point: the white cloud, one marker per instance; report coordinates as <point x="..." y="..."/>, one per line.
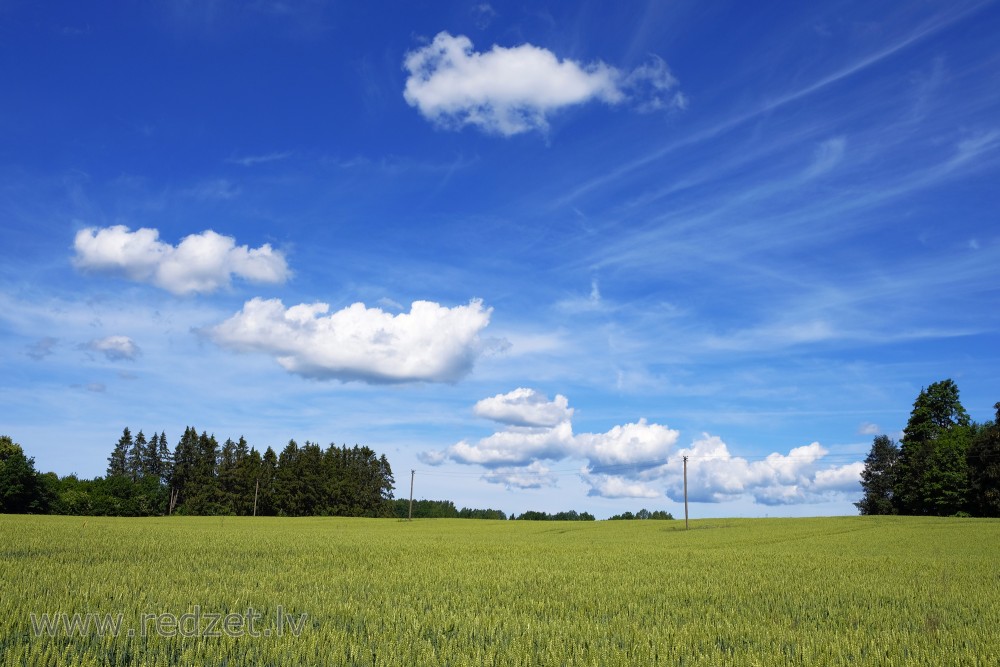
<point x="612" y="486"/>
<point x="714" y="475"/>
<point x="538" y="429"/>
<point x="533" y="476"/>
<point x="845" y="478"/>
<point x="525" y="407"/>
<point x="431" y="343"/>
<point x="434" y="457"/>
<point x="638" y="443"/>
<point x="638" y="460"/>
<point x="509" y="90"/>
<point x="115" y="348"/>
<point x="201" y="262"/>
<point x="868" y="428"/>
<point x="516" y="446"/>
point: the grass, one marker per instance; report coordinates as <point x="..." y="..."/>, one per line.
<point x="830" y="591"/>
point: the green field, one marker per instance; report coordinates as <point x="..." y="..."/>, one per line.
<point x="831" y="591"/>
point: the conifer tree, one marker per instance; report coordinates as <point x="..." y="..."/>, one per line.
<point x="135" y="459"/>
<point x="118" y="461"/>
<point x="878" y="479"/>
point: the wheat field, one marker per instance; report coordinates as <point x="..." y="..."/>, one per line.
<point x="373" y="592"/>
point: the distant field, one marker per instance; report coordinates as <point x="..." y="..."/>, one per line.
<point x="832" y="591"/>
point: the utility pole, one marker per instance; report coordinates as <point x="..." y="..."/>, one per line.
<point x="685" y="493"/>
<point x="255" y="492"/>
<point x="412" y="473"/>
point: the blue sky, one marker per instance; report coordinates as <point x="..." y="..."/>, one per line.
<point x="535" y="252"/>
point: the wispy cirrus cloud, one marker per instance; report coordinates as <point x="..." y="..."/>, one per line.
<point x="263" y="158"/>
<point x="511" y="90"/>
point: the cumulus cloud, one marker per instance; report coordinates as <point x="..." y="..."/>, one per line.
<point x="533" y="476"/>
<point x="715" y="475"/>
<point x="431" y="343"/>
<point x="516" y="445"/>
<point x="536" y="429"/>
<point x="846" y="478"/>
<point x="200" y="263"/>
<point x="638" y="460"/>
<point x="510" y="90"/>
<point x="631" y="444"/>
<point x="115" y="348"/>
<point x="525" y="407"/>
<point x="612" y="486"/>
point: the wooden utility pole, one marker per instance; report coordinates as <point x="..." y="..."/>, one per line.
<point x="412" y="473"/>
<point x="685" y="493"/>
<point x="255" y="492"/>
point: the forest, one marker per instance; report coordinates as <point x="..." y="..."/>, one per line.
<point x="200" y="477"/>
<point x="944" y="465"/>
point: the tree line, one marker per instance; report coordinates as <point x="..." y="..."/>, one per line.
<point x="145" y="477"/>
<point x="441" y="509"/>
<point x="944" y="465"/>
<point x="643" y="515"/>
<point x="571" y="515"/>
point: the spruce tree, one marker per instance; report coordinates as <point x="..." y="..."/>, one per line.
<point x="878" y="479"/>
<point x="136" y="457"/>
<point x="165" y="458"/>
<point x="118" y="461"/>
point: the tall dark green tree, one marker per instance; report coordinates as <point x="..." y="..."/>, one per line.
<point x="249" y="467"/>
<point x="185" y="458"/>
<point x="984" y="469"/>
<point x="227" y="474"/>
<point x="878" y="479"/>
<point x="166" y="459"/>
<point x="151" y="463"/>
<point x="933" y="452"/>
<point x="135" y="461"/>
<point x="299" y="488"/>
<point x="265" y="485"/>
<point x="118" y="461"/>
<point x="203" y="494"/>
